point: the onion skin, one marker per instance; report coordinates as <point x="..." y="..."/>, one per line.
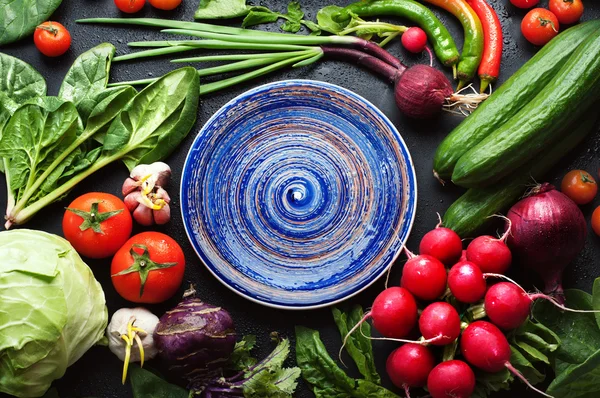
<point x="548" y="231"/>
<point x="195" y="338"/>
<point x="421" y="92"/>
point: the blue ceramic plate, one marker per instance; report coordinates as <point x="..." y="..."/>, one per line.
<point x="298" y="194"/>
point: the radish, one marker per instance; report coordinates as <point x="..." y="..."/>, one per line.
<point x="466" y="282"/>
<point x="424" y="276"/>
<point x="414" y="40"/>
<point x="484" y="346"/>
<point x="443" y="244"/>
<point x="451" y="379"/>
<point x="490" y="254"/>
<point x="508" y="305"/>
<point x="440" y="323"/>
<point x="409" y="365"/>
<point x="394" y="314"/>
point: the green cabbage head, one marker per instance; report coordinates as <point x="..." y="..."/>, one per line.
<point x="52" y="310"/>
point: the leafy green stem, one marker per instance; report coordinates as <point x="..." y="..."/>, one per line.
<point x="153" y="53"/>
<point x="10" y="202"/>
<point x="379" y="27"/>
<point x="239" y="57"/>
<point x="23" y="215"/>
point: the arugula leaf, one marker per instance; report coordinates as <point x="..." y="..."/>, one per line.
<point x="358" y="346"/>
<point x="19" y="81"/>
<point x="156" y="120"/>
<point x="240" y="358"/>
<point x="19" y="18"/>
<point x="326" y="22"/>
<point x="323" y="374"/>
<point x="87" y="77"/>
<point x="146" y="384"/>
<point x="578" y="332"/>
<point x="34" y="137"/>
<point x="221" y="9"/>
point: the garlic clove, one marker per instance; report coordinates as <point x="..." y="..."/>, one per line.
<point x="132" y="200"/>
<point x="163" y="215"/>
<point x="162" y="194"/>
<point x="143" y="215"/>
<point x="129" y="186"/>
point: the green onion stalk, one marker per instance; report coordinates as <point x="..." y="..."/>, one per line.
<point x="421" y="91"/>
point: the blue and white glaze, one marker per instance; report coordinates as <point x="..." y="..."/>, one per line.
<point x="298" y="194"/>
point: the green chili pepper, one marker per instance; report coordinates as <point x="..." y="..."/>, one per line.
<point x="473" y="45"/>
<point x="440" y="38"/>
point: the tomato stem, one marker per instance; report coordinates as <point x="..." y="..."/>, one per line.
<point x="49" y="28"/>
<point x="544" y="22"/>
<point x="94" y="218"/>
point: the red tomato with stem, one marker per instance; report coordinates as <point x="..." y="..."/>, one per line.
<point x="97" y="224"/>
<point x="52" y="39"/>
<point x="524" y="3"/>
<point x="148" y="268"/>
<point x="165" y="4"/>
<point x="539" y="26"/>
<point x="130" y="6"/>
<point x="579" y="186"/>
<point x="567" y="11"/>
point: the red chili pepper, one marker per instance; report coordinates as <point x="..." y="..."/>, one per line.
<point x="489" y="68"/>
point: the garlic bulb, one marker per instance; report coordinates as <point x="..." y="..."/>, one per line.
<point x="131" y="327"/>
<point x="145" y="195"/>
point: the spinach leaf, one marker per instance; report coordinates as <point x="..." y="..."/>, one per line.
<point x="221" y="9"/>
<point x="260" y="15"/>
<point x="107" y="105"/>
<point x="596" y="300"/>
<point x="156" y="120"/>
<point x="146" y="384"/>
<point x="323" y="374"/>
<point x="578" y="380"/>
<point x="578" y="332"/>
<point x="294" y="16"/>
<point x="34" y="137"/>
<point x="87" y="78"/>
<point x="19" y="80"/>
<point x="358" y="346"/>
<point x="326" y="22"/>
<point x="19" y="18"/>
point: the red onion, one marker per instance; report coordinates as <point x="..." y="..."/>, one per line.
<point x="548" y="231"/>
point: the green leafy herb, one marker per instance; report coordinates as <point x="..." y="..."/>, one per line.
<point x="87" y="78"/>
<point x="241" y="358"/>
<point x="358" y="346"/>
<point x="19" y="81"/>
<point x="146" y="384"/>
<point x="221" y="9"/>
<point x="576" y="362"/>
<point x="260" y="15"/>
<point x="19" y="18"/>
<point x="327" y="23"/>
<point x="323" y="374"/>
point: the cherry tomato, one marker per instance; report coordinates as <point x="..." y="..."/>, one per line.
<point x="539" y="26"/>
<point x="148" y="268"/>
<point x="524" y="3"/>
<point x="52" y="39"/>
<point x="596" y="221"/>
<point x="567" y="11"/>
<point x="165" y="4"/>
<point x="130" y="6"/>
<point x="580" y="186"/>
<point x="97" y="224"/>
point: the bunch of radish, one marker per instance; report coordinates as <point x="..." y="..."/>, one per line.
<point x="427" y="283"/>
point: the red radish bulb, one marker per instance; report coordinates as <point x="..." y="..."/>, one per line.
<point x="394" y="312"/>
<point x="466" y="282"/>
<point x="451" y="379"/>
<point x="548" y="231"/>
<point x="414" y="40"/>
<point x="409" y="365"/>
<point x="507" y="305"/>
<point x="443" y="244"/>
<point x="440" y="323"/>
<point x="484" y="346"/>
<point x="424" y="276"/>
<point x="490" y="254"/>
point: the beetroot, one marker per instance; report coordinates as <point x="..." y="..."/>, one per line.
<point x="548" y="231"/>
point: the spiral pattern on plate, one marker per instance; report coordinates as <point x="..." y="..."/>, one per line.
<point x="298" y="194"/>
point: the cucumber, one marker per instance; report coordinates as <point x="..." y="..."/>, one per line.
<point x="539" y="123"/>
<point x="470" y="213"/>
<point x="509" y="98"/>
